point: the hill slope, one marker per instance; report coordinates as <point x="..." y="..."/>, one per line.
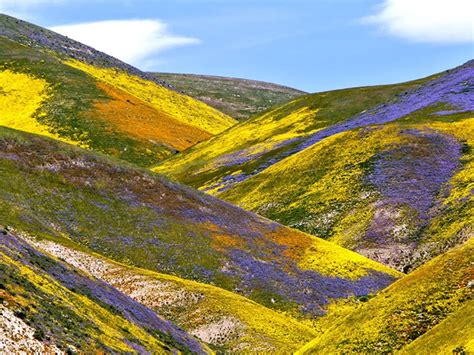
<point x="223" y="319"/>
<point x="388" y="190"/>
<point x="47" y="306"/>
<point x="411" y="312"/>
<point x="238" y="98"/>
<point x="85" y="97"/>
<point x="252" y="146"/>
<point x="53" y="190"/>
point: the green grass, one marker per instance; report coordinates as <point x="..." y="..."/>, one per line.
<point x="207" y="163"/>
<point x="238" y="98"/>
<point x="59" y="192"/>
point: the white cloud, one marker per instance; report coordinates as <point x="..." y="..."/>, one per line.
<point x="436" y="21"/>
<point x="133" y="41"/>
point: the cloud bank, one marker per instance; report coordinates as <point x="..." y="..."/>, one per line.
<point x="133" y="41"/>
<point x="434" y="21"/>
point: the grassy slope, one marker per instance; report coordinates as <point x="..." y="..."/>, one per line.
<point x="67" y="309"/>
<point x="388" y="192"/>
<point x="239" y="152"/>
<point x="413" y="310"/>
<point x="223" y="319"/>
<point x="238" y="98"/>
<point x="107" y="106"/>
<point x="383" y="191"/>
<point x="133" y="216"/>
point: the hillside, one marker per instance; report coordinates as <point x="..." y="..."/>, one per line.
<point x="49" y="307"/>
<point x="56" y="191"/>
<point x="60" y="88"/>
<point x="224" y="320"/>
<point x="238" y="98"/>
<point x="385" y="182"/>
<point x="410" y="315"/>
<point x="254" y="145"/>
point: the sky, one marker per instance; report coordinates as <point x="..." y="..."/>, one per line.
<point x="312" y="45"/>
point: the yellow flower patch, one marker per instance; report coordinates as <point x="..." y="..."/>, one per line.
<point x="21" y="98"/>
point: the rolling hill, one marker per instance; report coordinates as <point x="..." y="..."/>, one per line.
<point x="411" y="314"/>
<point x="238" y="98"/>
<point x="90" y="99"/>
<point x="56" y="191"/>
<point x="99" y="253"/>
<point x="386" y="182"/>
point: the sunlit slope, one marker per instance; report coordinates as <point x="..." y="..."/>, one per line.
<point x="138" y="218"/>
<point x="252" y="146"/>
<point x="223" y="319"/>
<point x="412" y="314"/>
<point x="238" y="98"/>
<point x="398" y="193"/>
<point x="104" y="106"/>
<point x="48" y="307"/>
<point x="181" y="107"/>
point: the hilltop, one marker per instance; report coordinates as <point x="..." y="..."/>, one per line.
<point x="382" y="178"/>
<point x="63" y="89"/>
<point x="238" y="98"/>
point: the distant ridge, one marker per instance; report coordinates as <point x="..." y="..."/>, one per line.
<point x="238" y="98"/>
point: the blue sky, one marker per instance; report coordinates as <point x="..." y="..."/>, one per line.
<point x="313" y="45"/>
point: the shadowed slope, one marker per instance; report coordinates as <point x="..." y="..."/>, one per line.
<point x="133" y="216"/>
<point x="238" y="98"/>
<point x="49" y="306"/>
<point x="420" y="303"/>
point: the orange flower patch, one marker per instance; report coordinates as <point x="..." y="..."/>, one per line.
<point x="296" y="243"/>
<point x="225" y="241"/>
<point x="134" y="117"/>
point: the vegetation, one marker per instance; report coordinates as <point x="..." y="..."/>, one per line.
<point x="139" y="119"/>
<point x="181" y="107"/>
<point x="248" y="148"/>
<point x="98" y="254"/>
<point x="54" y="191"/>
<point x="75" y="313"/>
<point x="238" y="98"/>
<point x="412" y="311"/>
<point x="221" y="318"/>
<point x="372" y="189"/>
